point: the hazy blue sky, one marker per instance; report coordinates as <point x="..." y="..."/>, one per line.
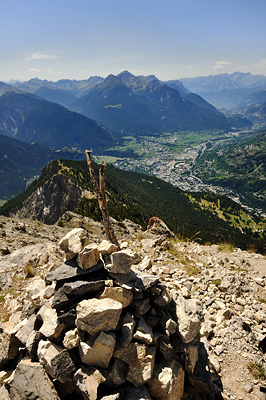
<point x="55" y="39"/>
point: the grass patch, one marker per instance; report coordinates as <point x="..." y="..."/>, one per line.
<point x="217" y="282"/>
<point x="256" y="370"/>
<point x="226" y="247"/>
<point x="239" y="269"/>
<point x="140" y="237"/>
<point x="192" y="270"/>
<point x="261" y="300"/>
<point x="29" y="270"/>
<point x="173" y="251"/>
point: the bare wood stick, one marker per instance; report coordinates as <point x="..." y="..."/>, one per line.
<point x="102" y="183"/>
<point x="100" y="194"/>
<point x="103" y="194"/>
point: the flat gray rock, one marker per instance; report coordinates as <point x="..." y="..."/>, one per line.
<point x="70" y="271"/>
<point x="30" y="381"/>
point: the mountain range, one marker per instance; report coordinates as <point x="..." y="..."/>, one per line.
<point x="124" y="104"/>
<point x="224" y="91"/>
<point x="128" y="104"/>
<point x="227" y="91"/>
<point x="137" y="105"/>
<point x="131" y="104"/>
<point x="64" y="91"/>
<point x="29" y="118"/>
<point x="219" y="82"/>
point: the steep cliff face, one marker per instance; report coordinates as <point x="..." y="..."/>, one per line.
<point x="50" y="201"/>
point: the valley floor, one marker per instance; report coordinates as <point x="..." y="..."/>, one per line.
<point x="172" y="157"/>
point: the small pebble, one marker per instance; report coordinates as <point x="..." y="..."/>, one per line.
<point x="248" y="387"/>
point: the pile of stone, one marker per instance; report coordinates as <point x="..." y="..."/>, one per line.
<point x="100" y="327"/>
<point x="232" y="289"/>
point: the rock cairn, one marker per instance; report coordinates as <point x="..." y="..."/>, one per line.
<point x="100" y="327"/>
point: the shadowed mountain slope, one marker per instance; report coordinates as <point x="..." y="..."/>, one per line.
<point x="21" y="162"/>
<point x="31" y="119"/>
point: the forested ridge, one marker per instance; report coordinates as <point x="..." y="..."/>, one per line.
<point x="138" y="197"/>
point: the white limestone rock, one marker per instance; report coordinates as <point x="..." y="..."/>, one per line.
<point x="100" y="353"/>
<point x="145" y="264"/>
<point x="94" y="316"/>
<point x="106" y="248"/>
<point x="89" y="256"/>
<point x="123" y="295"/>
<point x="189" y="316"/>
<point x="73" y="242"/>
<point x="51" y="327"/>
<point x="121" y="261"/>
<point x="71" y="339"/>
<point x="87" y="380"/>
<point x="214" y="363"/>
<point x="4" y="394"/>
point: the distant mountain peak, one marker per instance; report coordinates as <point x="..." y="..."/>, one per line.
<point x="37" y="80"/>
<point x="125" y="73"/>
<point x="111" y="81"/>
<point x="111" y="77"/>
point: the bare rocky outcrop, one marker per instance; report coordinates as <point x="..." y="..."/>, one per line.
<point x="50" y="201"/>
<point x="179" y="321"/>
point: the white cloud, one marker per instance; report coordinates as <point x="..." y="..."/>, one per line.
<point x="38" y="56"/>
<point x="189" y="67"/>
<point x="261" y="64"/>
<point x="223" y="63"/>
<point x="218" y="67"/>
<point x="33" y="70"/>
<point x="50" y="71"/>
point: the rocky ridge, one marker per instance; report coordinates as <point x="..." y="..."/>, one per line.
<point x="183" y="320"/>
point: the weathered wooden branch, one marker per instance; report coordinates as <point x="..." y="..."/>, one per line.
<point x="102" y="184"/>
<point x="101" y="197"/>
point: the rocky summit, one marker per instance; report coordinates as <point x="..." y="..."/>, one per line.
<point x="156" y="319"/>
